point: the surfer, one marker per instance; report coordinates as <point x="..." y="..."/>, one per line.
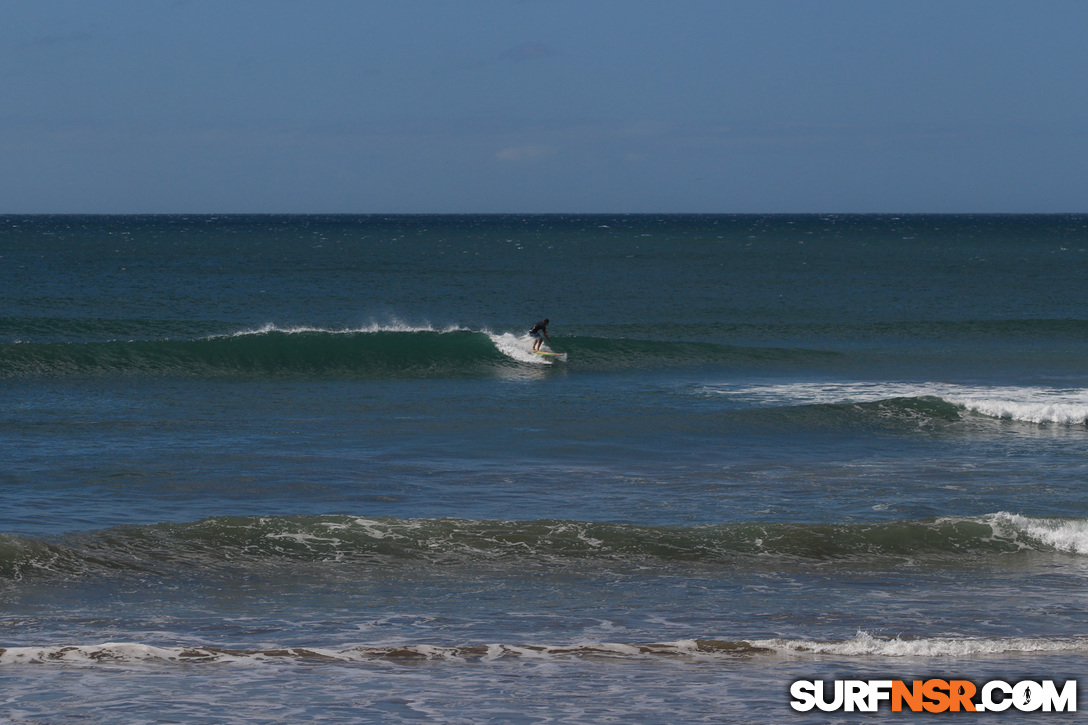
<point x="539" y="333"/>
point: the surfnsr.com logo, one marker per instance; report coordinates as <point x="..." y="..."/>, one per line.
<point x="934" y="695"/>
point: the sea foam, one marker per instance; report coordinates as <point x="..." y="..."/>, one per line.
<point x="1029" y="404"/>
<point x="863" y="644"/>
<point x="866" y="644"/>
<point x="517" y="347"/>
<point x="1068" y="535"/>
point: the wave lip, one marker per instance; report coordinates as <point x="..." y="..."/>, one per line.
<point x="374" y="327"/>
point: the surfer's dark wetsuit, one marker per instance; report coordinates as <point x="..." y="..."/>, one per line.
<point x="539" y="333"/>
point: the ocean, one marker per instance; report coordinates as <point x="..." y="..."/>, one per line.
<point x="282" y="469"/>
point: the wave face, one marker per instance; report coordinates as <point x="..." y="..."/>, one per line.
<point x="266" y="352"/>
<point x="254" y="542"/>
<point x="375" y="352"/>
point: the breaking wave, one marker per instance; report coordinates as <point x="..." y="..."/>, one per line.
<point x="863" y="644"/>
<point x="912" y="403"/>
<point x="253" y="543"/>
<point x="372" y="352"/>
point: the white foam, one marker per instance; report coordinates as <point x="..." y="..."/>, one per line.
<point x="88" y="654"/>
<point x="375" y="529"/>
<point x="1031" y="407"/>
<point x="865" y="644"/>
<point x="302" y="538"/>
<point x="373" y="327"/>
<point x="1068" y="535"/>
<point x="1031" y="404"/>
<point x="517" y="347"/>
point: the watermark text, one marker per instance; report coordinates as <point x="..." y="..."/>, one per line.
<point x="934" y="695"/>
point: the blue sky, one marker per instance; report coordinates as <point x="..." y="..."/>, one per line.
<point x="440" y="106"/>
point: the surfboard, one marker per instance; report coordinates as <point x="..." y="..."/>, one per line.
<point x="560" y="355"/>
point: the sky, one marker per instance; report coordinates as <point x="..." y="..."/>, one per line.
<point x="543" y="106"/>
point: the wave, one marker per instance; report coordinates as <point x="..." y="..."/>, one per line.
<point x="372" y="352"/>
<point x="863" y="644"/>
<point x="267" y="352"/>
<point x="133" y="652"/>
<point x="914" y="404"/>
<point x="226" y="544"/>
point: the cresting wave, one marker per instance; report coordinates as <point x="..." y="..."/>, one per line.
<point x="131" y="652"/>
<point x="862" y="645"/>
<point x="371" y="352"/>
<point x="253" y="543"/>
<point x="265" y="352"/>
<point x="919" y="404"/>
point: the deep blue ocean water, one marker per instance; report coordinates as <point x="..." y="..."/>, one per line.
<point x="307" y="469"/>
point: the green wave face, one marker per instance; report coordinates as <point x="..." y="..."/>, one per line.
<point x="272" y="353"/>
<point x="259" y="542"/>
<point x="358" y="354"/>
